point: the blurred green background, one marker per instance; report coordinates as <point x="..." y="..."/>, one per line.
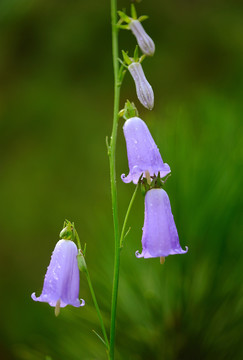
<point x="56" y="99"/>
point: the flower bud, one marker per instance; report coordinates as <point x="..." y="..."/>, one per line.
<point x="81" y="261"/>
<point x="144" y="90"/>
<point x="145" y="42"/>
<point x="160" y="237"/>
<point x="66" y="232"/>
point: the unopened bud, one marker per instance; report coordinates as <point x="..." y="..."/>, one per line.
<point x="81" y="261"/>
<point x="66" y="233"/>
<point x="145" y="42"/>
<point x="144" y="90"/>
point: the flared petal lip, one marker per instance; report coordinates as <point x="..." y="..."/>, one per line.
<point x="135" y="174"/>
<point x="146" y="254"/>
<point x="52" y="301"/>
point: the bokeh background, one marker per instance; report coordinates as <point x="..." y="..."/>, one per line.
<point x="56" y="98"/>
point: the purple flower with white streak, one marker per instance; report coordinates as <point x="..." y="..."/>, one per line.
<point x="143" y="154"/>
<point x="145" y="42"/>
<point x="144" y="90"/>
<point x="160" y="237"/>
<point x="61" y="283"/>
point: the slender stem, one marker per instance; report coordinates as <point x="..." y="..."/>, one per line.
<point x="126" y="216"/>
<point x="112" y="153"/>
<point x="97" y="308"/>
<point x="85" y="270"/>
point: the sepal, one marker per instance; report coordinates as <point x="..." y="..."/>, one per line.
<point x="124" y="17"/>
<point x="129" y="110"/>
<point x="126" y="58"/>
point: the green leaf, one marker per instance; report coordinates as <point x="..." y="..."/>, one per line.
<point x="102" y="340"/>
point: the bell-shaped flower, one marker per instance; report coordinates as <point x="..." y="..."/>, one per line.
<point x="145" y="42"/>
<point x="160" y="237"/>
<point x="144" y="90"/>
<point x="61" y="283"/>
<point x="143" y="154"/>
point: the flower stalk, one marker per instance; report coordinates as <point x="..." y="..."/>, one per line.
<point x="106" y="341"/>
<point x="112" y="160"/>
<point x="123" y="235"/>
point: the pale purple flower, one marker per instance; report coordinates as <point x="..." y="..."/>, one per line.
<point x="143" y="154"/>
<point x="145" y="42"/>
<point x="144" y="90"/>
<point x="160" y="237"/>
<point x="61" y="283"/>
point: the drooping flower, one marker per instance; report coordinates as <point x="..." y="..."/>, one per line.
<point x="160" y="237"/>
<point x="145" y="42"/>
<point x="61" y="283"/>
<point x="142" y="152"/>
<point x="144" y="90"/>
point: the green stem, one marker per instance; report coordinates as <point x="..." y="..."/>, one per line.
<point x="126" y="216"/>
<point x="97" y="308"/>
<point x="85" y="270"/>
<point x="112" y="152"/>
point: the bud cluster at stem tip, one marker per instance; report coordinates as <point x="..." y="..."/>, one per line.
<point x="144" y="90"/>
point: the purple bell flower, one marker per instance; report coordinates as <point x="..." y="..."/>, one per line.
<point x="142" y="152"/>
<point x="160" y="237"/>
<point x="61" y="283"/>
<point x="144" y="90"/>
<point x="145" y="42"/>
